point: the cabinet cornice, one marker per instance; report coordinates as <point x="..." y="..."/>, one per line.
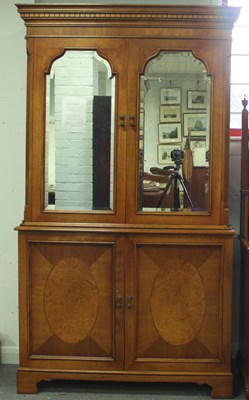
<point x="130" y="15"/>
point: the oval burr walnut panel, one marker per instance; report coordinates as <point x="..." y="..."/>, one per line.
<point x="178" y="303"/>
<point x="71" y="300"/>
<point x="72" y="304"/>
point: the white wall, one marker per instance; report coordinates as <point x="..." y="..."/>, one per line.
<point x="12" y="169"/>
<point x="12" y="162"/>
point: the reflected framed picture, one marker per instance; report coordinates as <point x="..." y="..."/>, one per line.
<point x="197" y="99"/>
<point x="170" y="96"/>
<point x="199" y="150"/>
<point x="141" y="120"/>
<point x="170" y="113"/>
<point x="195" y="124"/>
<point x="164" y="153"/>
<point x="169" y="133"/>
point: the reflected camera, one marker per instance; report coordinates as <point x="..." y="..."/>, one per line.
<point x="177" y="155"/>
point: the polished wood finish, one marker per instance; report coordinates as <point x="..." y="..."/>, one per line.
<point x="244" y="238"/>
<point x="126" y="295"/>
<point x="198" y="187"/>
<point x="244" y="180"/>
<point x="244" y="345"/>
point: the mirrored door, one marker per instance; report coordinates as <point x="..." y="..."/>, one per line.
<point x="78" y="139"/>
<point x="80" y="133"/>
<point x="174" y="134"/>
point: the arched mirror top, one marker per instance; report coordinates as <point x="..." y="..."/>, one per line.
<point x="176" y="62"/>
<point x="96" y="53"/>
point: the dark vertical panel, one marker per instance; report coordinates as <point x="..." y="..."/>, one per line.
<point x="101" y="152"/>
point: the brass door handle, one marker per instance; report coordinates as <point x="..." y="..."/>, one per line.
<point x="122" y="120"/>
<point x="118" y="300"/>
<point x="129" y="301"/>
<point x="132" y="119"/>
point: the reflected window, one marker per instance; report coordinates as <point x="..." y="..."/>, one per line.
<point x="239" y="66"/>
<point x="174" y="134"/>
<point x="80" y="101"/>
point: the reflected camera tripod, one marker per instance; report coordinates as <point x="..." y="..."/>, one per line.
<point x="176" y="156"/>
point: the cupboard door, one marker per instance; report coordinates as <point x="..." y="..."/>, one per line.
<point x="76" y="141"/>
<point x="181" y="297"/>
<point x="74" y="310"/>
<point x="178" y="132"/>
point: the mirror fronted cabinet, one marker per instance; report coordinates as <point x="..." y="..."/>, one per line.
<point x="125" y="252"/>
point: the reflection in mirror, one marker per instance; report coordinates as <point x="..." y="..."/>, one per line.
<point x="80" y="101"/>
<point x="174" y="134"/>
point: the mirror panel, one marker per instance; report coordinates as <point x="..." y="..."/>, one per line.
<point x="80" y="109"/>
<point x="174" y="134"/>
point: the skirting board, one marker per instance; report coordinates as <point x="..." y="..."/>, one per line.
<point x="9" y="355"/>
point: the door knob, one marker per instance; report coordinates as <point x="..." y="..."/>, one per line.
<point x="122" y="120"/>
<point x="132" y="119"/>
<point x="129" y="301"/>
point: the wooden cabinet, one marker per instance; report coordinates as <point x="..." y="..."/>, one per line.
<point x="111" y="287"/>
<point x="244" y="244"/>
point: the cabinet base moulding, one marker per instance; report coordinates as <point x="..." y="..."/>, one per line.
<point x="27" y="380"/>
